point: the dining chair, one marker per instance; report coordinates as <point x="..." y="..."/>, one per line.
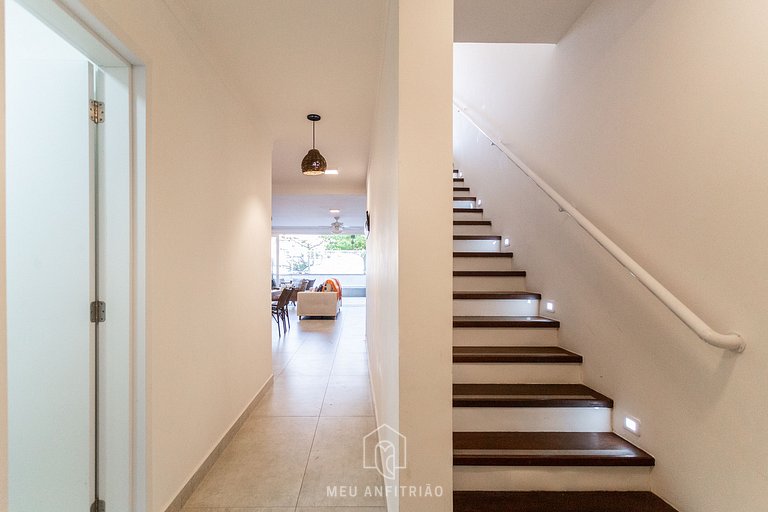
<point x="280" y="310"/>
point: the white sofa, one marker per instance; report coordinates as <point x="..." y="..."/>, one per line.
<point x="317" y="304"/>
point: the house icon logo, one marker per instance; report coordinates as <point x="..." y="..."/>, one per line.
<point x="385" y="450"/>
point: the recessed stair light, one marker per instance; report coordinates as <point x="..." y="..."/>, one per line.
<point x="632" y="424"/>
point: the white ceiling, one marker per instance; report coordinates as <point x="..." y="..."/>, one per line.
<point x="515" y="21"/>
<point x="307" y="214"/>
<point x="289" y="58"/>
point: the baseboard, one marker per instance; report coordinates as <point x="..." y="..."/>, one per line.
<point x="186" y="491"/>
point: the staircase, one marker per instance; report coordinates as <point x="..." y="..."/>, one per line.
<point x="528" y="436"/>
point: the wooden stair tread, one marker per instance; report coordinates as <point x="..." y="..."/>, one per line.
<point x="481" y="254"/>
<point x="546" y="449"/>
<point x="458" y="180"/>
<point x="528" y="395"/>
<point x="505" y="321"/>
<point x="465" y="198"/>
<point x="540" y="501"/>
<point x="467" y="210"/>
<point x="510" y="295"/>
<point x="477" y="237"/>
<point x="489" y="273"/>
<point x="514" y="355"/>
<point x="461" y="189"/>
<point x="471" y="223"/>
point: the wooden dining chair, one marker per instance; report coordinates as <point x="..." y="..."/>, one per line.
<point x="280" y="310"/>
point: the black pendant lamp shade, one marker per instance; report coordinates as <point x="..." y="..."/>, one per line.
<point x="313" y="164"/>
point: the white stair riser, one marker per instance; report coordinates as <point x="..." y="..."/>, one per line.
<point x="482" y="229"/>
<point x="554" y="478"/>
<point x="464" y="204"/>
<point x="487" y="283"/>
<point x="531" y="419"/>
<point x="516" y="373"/>
<point x="471" y="263"/>
<point x="478" y="215"/>
<point x="477" y="245"/>
<point x="462" y="193"/>
<point x="495" y="307"/>
<point x="504" y="337"/>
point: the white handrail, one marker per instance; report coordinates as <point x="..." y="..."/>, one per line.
<point x="731" y="341"/>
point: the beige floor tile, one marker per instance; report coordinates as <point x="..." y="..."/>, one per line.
<point x="337" y="460"/>
<point x="293" y="395"/>
<point x="350" y="364"/>
<point x="348" y="395"/>
<point x="238" y="509"/>
<point x="262" y="466"/>
<point x="341" y="509"/>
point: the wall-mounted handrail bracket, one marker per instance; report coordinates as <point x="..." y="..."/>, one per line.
<point x="730" y="341"/>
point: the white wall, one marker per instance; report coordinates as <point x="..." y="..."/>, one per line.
<point x="208" y="209"/>
<point x="3" y="330"/>
<point x="650" y="118"/>
<point x="409" y="287"/>
<point x="382" y="287"/>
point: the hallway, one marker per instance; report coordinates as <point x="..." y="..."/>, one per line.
<point x="306" y="434"/>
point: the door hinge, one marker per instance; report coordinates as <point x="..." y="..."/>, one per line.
<point x="98" y="311"/>
<point x="98" y="506"/>
<point x="96" y="111"/>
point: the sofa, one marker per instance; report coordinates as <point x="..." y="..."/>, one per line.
<point x="318" y="304"/>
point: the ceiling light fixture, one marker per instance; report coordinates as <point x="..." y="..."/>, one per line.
<point x="313" y="164"/>
<point x="337" y="227"/>
<point x="334" y="211"/>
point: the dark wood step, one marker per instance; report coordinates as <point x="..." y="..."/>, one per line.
<point x="477" y="237"/>
<point x="461" y="189"/>
<point x="528" y="395"/>
<point x="540" y="501"/>
<point x="512" y="295"/>
<point x="528" y="322"/>
<point x="481" y="254"/>
<point x="471" y="223"/>
<point x="514" y="355"/>
<point x="546" y="449"/>
<point x="467" y="210"/>
<point x="458" y="180"/>
<point x="489" y="273"/>
<point x="464" y="198"/>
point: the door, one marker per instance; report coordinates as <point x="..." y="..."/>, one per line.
<point x="50" y="267"/>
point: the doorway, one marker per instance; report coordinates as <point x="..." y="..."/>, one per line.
<point x="70" y="260"/>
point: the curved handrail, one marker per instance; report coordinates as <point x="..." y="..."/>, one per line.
<point x="731" y="341"/>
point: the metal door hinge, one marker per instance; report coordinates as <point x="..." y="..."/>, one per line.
<point x="96" y="111"/>
<point x="98" y="506"/>
<point x="98" y="311"/>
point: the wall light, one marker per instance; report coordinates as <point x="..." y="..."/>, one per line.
<point x="632" y="424"/>
<point x="331" y="171"/>
<point x="549" y="306"/>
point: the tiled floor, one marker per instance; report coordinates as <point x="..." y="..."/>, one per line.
<point x="307" y="433"/>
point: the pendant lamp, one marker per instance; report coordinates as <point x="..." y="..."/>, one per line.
<point x="313" y="164"/>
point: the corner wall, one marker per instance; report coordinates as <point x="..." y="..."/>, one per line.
<point x="208" y="189"/>
<point x="650" y="118"/>
<point x="410" y="249"/>
<point x="3" y="308"/>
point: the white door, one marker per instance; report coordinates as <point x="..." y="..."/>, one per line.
<point x="50" y="247"/>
